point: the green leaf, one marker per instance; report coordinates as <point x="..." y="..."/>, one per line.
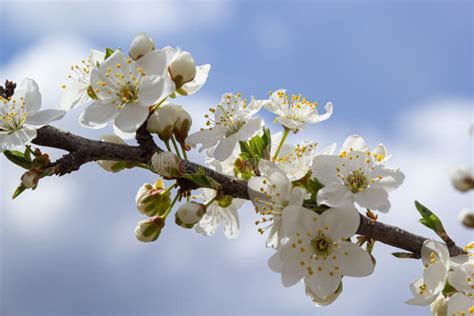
<point x="108" y="52"/>
<point x="18" y="191"/>
<point x="18" y="158"/>
<point x="429" y="219"/>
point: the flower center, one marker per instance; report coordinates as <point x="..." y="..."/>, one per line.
<point x="233" y="127"/>
<point x="322" y="245"/>
<point x="357" y="181"/>
<point x="128" y="93"/>
<point x="13" y="116"/>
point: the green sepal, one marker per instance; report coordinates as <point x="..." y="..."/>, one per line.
<point x="108" y="52"/>
<point x="21" y="188"/>
<point x="201" y="179"/>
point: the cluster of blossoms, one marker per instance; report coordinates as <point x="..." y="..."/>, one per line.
<point x="447" y="282"/>
<point x="306" y="199"/>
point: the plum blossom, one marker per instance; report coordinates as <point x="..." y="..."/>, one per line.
<point x="272" y="196"/>
<point x="220" y="212"/>
<point x="78" y="90"/>
<point x="293" y="113"/>
<point x="20" y="116"/>
<point x="436" y="261"/>
<point x="123" y="92"/>
<point x="355" y="175"/>
<point x="233" y="121"/>
<point x="318" y="252"/>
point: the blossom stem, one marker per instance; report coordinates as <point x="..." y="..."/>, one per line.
<point x="175" y="146"/>
<point x="171" y="206"/>
<point x="282" y="141"/>
<point x="211" y="201"/>
<point x="155" y="106"/>
<point x="170" y="187"/>
<point x="185" y="155"/>
<point x="167" y="144"/>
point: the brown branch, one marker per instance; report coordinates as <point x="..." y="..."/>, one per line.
<point x="82" y="150"/>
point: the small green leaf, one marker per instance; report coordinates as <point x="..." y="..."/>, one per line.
<point x="18" y="158"/>
<point x="429" y="219"/>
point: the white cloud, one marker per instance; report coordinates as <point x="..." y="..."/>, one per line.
<point x="113" y="19"/>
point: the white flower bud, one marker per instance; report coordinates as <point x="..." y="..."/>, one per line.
<point x="440" y="306"/>
<point x="108" y="165"/>
<point x="163" y="120"/>
<point x="466" y="217"/>
<point x="141" y="45"/>
<point x="462" y="178"/>
<point x="149" y="230"/>
<point x="182" y="125"/>
<point x="189" y="214"/>
<point x="153" y="200"/>
<point x="30" y="179"/>
<point x="166" y="164"/>
<point x="182" y="68"/>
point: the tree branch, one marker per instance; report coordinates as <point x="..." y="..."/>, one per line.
<point x="82" y="150"/>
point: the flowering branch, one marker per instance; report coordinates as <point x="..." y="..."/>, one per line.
<point x="83" y="150"/>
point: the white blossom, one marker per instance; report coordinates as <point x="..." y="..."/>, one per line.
<point x="355" y="175"/>
<point x="436" y="262"/>
<point x="149" y="230"/>
<point x="462" y="178"/>
<point x="293" y="113"/>
<point x="220" y="213"/>
<point x="460" y="305"/>
<point x="317" y="250"/>
<point x="78" y="89"/>
<point x="233" y="121"/>
<point x="163" y="120"/>
<point x="124" y="92"/>
<point x="272" y="196"/>
<point x="20" y="116"/>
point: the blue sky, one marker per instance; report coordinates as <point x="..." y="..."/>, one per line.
<point x="397" y="72"/>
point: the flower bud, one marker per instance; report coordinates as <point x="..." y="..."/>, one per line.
<point x="182" y="125"/>
<point x="166" y="164"/>
<point x="462" y="178"/>
<point x="30" y="179"/>
<point x="141" y="45"/>
<point x="467" y="218"/>
<point x="163" y="120"/>
<point x="182" y="68"/>
<point x="189" y="214"/>
<point x="149" y="230"/>
<point x="153" y="200"/>
<point x="108" y="165"/>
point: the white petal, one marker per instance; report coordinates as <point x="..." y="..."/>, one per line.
<point x="230" y="223"/>
<point x="16" y="139"/>
<point x="124" y="135"/>
<point x="373" y="198"/>
<point x="131" y="117"/>
<point x="292" y="219"/>
<point x="151" y="90"/>
<point x="324" y="168"/>
<point x="325" y="282"/>
<point x="202" y="72"/>
<point x="353" y="260"/>
<point x="334" y="195"/>
<point x="250" y="128"/>
<point x="44" y="117"/>
<point x="354" y="143"/>
<point x="461" y="277"/>
<point x="392" y="178"/>
<point x="438" y="248"/>
<point x="420" y="299"/>
<point x="329" y="150"/>
<point x="460" y="304"/>
<point x="316" y="118"/>
<point x="225" y="147"/>
<point x="74" y="96"/>
<point x="434" y="277"/>
<point x="29" y="91"/>
<point x="342" y="222"/>
<point x="98" y="114"/>
<point x="290" y="123"/>
<point x="275" y="263"/>
<point x="207" y="226"/>
<point x="322" y="301"/>
<point x="153" y="63"/>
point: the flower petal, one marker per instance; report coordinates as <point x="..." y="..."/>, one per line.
<point x="225" y="147"/>
<point x="153" y="63"/>
<point x="353" y="260"/>
<point x="44" y="117"/>
<point x="342" y="222"/>
<point x="354" y="143"/>
<point x="460" y="304"/>
<point x="151" y="90"/>
<point x="202" y="72"/>
<point x="334" y="195"/>
<point x="98" y="114"/>
<point x="16" y="139"/>
<point x="324" y="168"/>
<point x="373" y="198"/>
<point x="131" y="117"/>
<point x="250" y="128"/>
<point x="29" y="91"/>
<point x="325" y="280"/>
